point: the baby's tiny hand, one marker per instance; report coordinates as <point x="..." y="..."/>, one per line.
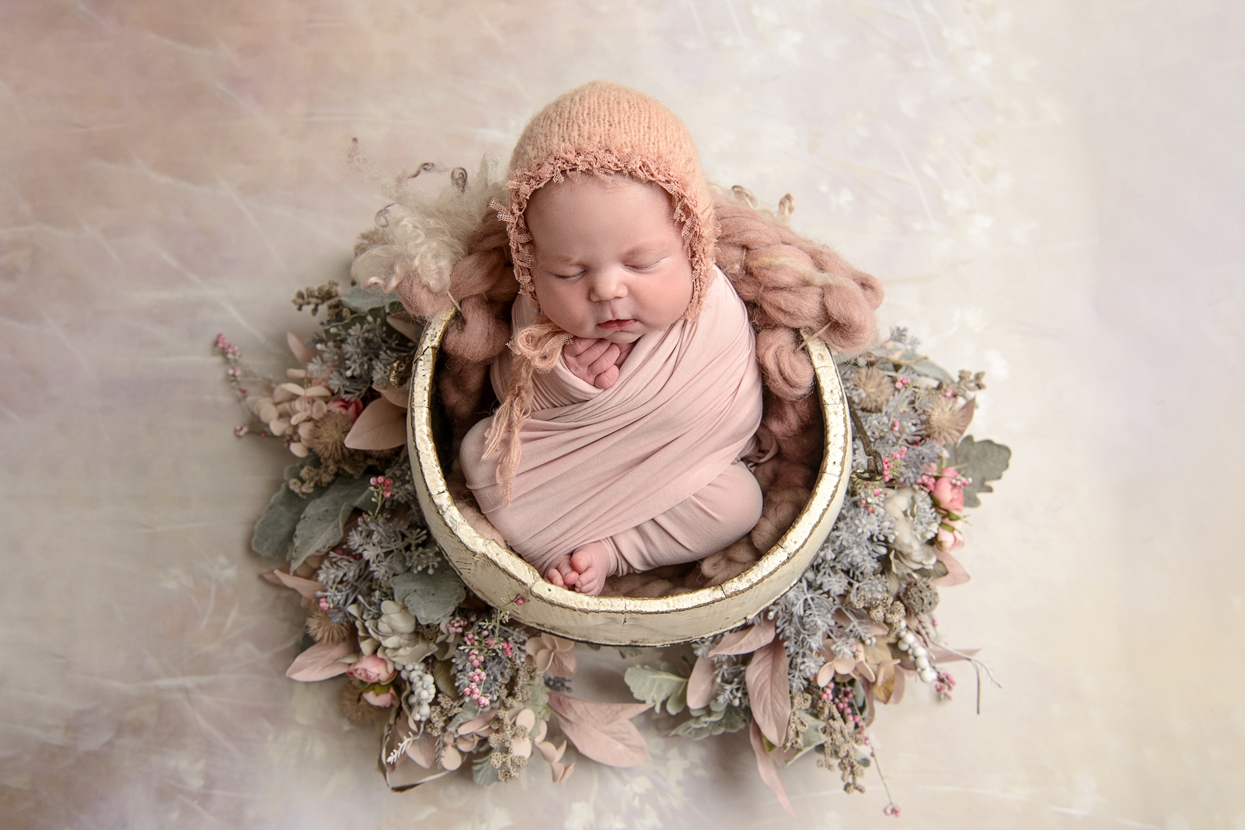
<point x="595" y="360"/>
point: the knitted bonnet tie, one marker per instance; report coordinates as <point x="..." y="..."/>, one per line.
<point x="603" y="128"/>
<point x="599" y="129"/>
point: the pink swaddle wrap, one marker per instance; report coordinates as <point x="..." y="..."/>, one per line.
<point x="596" y="462"/>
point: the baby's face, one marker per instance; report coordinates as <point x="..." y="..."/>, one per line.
<point x="609" y="259"/>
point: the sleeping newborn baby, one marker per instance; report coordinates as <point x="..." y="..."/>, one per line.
<point x="632" y="391"/>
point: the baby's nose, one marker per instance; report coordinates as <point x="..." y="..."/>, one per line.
<point x="608" y="284"/>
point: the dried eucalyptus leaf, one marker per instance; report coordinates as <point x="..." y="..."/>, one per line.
<point x="443" y="674"/>
<point x="274" y="532"/>
<point x="982" y="461"/>
<point x="323" y="520"/>
<point x="434" y="596"/>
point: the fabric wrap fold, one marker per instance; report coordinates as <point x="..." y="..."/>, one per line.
<point x="596" y="462"/>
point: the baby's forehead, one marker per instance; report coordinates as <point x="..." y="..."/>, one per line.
<point x="575" y="186"/>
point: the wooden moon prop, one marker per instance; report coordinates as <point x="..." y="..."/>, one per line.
<point x="498" y="575"/>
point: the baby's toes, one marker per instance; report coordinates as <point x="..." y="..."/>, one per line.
<point x="591" y="581"/>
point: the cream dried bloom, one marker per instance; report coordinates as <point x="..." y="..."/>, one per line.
<point x="552" y="655"/>
<point x="910" y="549"/>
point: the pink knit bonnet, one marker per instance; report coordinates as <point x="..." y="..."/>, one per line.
<point x="603" y="128"/>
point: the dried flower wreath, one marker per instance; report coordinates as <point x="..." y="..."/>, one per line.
<point x="456" y="683"/>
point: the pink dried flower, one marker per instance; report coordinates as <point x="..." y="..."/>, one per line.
<point x="379" y="699"/>
<point x="350" y="409"/>
<point x="241" y="430"/>
<point x="948" y="490"/>
<point x="949" y="537"/>
<point x="372" y="669"/>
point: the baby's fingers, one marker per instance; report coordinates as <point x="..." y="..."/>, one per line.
<point x="576" y="345"/>
<point x="579" y="345"/>
<point x="606" y="379"/>
<point x="605" y="360"/>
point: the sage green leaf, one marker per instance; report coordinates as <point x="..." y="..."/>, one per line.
<point x="982" y="461"/>
<point x="538" y="699"/>
<point x="663" y="686"/>
<point x="364" y="300"/>
<point x="483" y="772"/>
<point x="470" y="711"/>
<point x="730" y="719"/>
<point x="931" y="369"/>
<point x="402" y="585"/>
<point x="323" y="519"/>
<point x="274" y="532"/>
<point x="812" y="736"/>
<point x="434" y="596"/>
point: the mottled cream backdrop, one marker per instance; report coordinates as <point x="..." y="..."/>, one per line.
<point x="1050" y="191"/>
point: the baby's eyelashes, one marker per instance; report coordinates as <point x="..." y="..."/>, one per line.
<point x="646" y="266"/>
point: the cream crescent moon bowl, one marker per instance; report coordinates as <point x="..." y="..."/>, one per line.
<point x="498" y="575"/>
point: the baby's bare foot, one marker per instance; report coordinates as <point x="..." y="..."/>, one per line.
<point x="591" y="564"/>
<point x="561" y="573"/>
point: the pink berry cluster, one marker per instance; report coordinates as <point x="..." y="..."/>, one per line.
<point x="228" y="349"/>
<point x="872" y="500"/>
<point x="384" y="484"/>
<point x="944" y="685"/>
<point x="891" y="809"/>
<point x="901" y="382"/>
<point x="893" y="461"/>
<point x="475" y="677"/>
<point x="843" y="703"/>
<point x="233" y="373"/>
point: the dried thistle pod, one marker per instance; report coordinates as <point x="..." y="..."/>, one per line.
<point x="875" y="386"/>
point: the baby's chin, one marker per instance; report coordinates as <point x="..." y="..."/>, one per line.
<point x="623" y="334"/>
<point x="621" y="337"/>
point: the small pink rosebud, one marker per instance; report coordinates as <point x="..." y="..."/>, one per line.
<point x="372" y="669"/>
<point x="382" y="700"/>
